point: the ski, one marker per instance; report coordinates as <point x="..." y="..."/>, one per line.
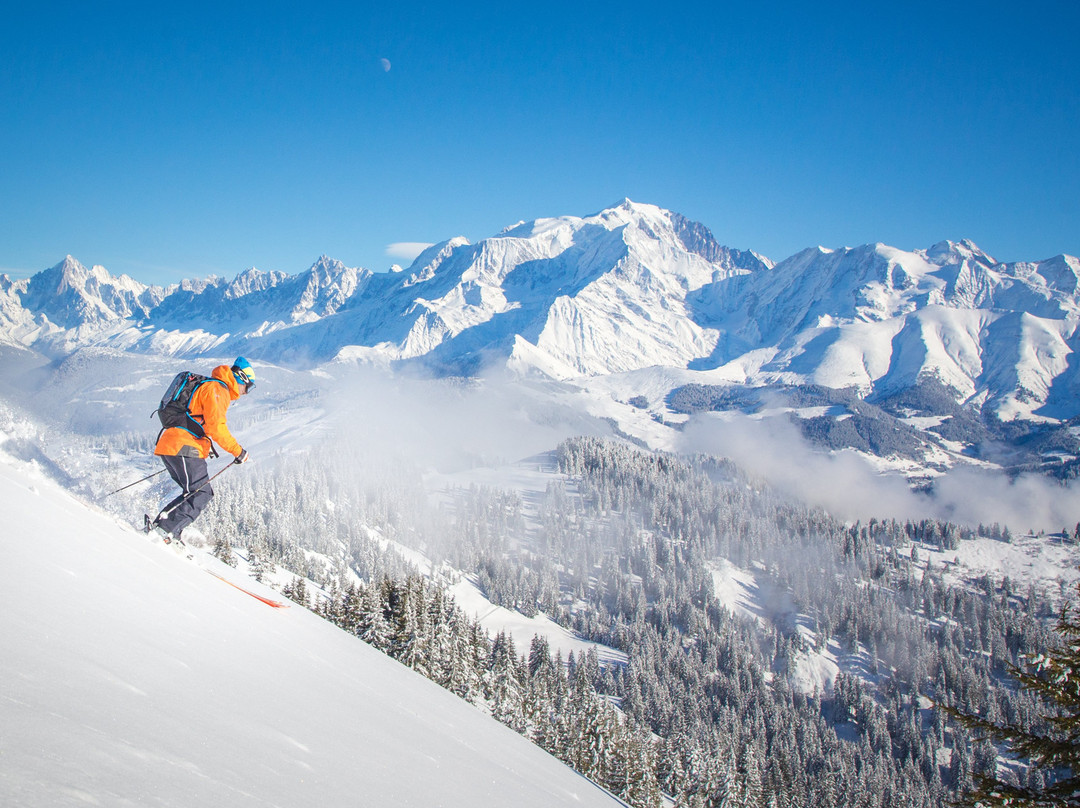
<point x="178" y="544"/>
<point x="277" y="604"/>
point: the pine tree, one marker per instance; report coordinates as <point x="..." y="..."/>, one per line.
<point x="223" y="551"/>
<point x="641" y="788"/>
<point x="1052" y="746"/>
<point x="504" y="684"/>
<point x="349" y="617"/>
<point x="373" y="626"/>
<point x="260" y="564"/>
<point x="297" y="591"/>
<point x="409" y="636"/>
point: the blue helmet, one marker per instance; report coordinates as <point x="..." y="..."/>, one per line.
<point x="244" y="373"/>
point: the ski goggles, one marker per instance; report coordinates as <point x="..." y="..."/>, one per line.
<point x="247" y="380"/>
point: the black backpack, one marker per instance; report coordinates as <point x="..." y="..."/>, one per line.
<point x="173" y="409"/>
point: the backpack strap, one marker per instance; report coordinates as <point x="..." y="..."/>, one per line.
<point x="189" y="423"/>
<point x="201" y="432"/>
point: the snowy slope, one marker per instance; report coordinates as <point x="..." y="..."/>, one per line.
<point x="131" y="677"/>
<point x="522" y="629"/>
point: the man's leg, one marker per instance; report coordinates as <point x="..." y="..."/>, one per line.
<point x="191" y="475"/>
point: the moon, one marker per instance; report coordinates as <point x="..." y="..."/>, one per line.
<point x="385" y="64"/>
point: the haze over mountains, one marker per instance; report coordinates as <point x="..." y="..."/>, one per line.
<point x="632" y="289"/>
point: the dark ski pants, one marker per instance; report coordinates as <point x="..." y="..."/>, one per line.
<point x="190" y="474"/>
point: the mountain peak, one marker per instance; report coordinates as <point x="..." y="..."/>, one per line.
<point x="327" y="264"/>
<point x="70" y="295"/>
<point x="631" y="206"/>
<point x="430" y="260"/>
<point x="69" y="272"/>
<point x="627" y="210"/>
<point x="954" y="252"/>
<point x="72" y="273"/>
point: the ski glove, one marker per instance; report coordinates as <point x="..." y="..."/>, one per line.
<point x="242" y="457"/>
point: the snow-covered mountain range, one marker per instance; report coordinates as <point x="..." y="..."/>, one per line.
<point x="577" y="296"/>
<point x="628" y="290"/>
<point x="880" y="319"/>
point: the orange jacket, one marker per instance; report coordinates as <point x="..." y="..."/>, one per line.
<point x="208" y="406"/>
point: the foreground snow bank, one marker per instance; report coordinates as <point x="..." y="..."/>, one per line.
<point x="131" y="677"/>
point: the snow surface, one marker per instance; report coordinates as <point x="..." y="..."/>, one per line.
<point x="813" y="671"/>
<point x="132" y="677"/>
<point x="522" y="629"/>
<point x="1028" y="560"/>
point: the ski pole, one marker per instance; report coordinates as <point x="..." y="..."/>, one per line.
<point x="190" y="494"/>
<point x="144" y="479"/>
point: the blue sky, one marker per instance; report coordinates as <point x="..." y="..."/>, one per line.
<point x="202" y="139"/>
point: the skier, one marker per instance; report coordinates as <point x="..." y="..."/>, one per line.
<point x="184" y="452"/>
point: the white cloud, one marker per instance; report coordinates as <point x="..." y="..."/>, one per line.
<point x="407" y="250"/>
<point x="845" y="483"/>
<point x="448" y="424"/>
